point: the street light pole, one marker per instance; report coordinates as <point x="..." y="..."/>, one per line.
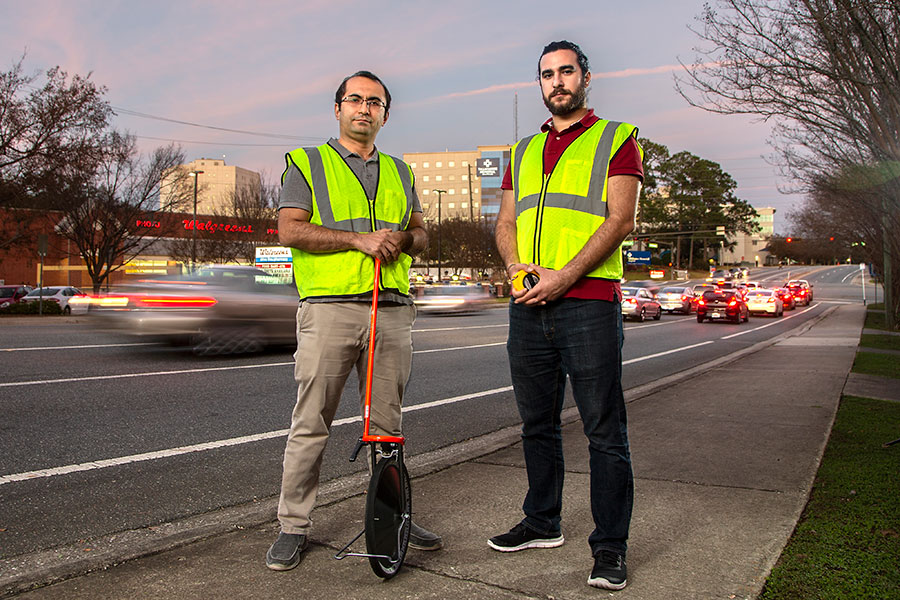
<point x="196" y="176"/>
<point x="439" y="193"/>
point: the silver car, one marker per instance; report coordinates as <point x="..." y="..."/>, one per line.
<point x="676" y="299"/>
<point x="638" y="304"/>
<point x="217" y="310"/>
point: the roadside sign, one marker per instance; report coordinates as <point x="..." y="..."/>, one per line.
<point x="42" y="244"/>
<point x="636" y="257"/>
<point x="862" y="266"/>
<point x="657" y="273"/>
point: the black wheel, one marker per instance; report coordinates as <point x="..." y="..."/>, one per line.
<point x="641" y="316"/>
<point x="699" y="318"/>
<point x="658" y="315"/>
<point x="388" y="517"/>
<point x="67" y="310"/>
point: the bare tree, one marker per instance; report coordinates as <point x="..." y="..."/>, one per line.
<point x="50" y="141"/>
<point x="119" y="217"/>
<point x="826" y="73"/>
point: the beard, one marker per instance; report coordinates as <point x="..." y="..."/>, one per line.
<point x="573" y="102"/>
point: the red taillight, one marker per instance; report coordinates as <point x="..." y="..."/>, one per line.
<point x="701" y="302"/>
<point x="176" y="301"/>
<point x="732" y="302"/>
<point x="631" y="300"/>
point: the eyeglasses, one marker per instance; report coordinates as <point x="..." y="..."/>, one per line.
<point x="356" y="102"/>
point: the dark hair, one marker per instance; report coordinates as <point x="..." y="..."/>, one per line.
<point x="566" y="45"/>
<point x="339" y="94"/>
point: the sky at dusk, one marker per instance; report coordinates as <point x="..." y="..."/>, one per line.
<point x="270" y="70"/>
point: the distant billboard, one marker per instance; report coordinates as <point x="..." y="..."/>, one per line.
<point x="487" y="167"/>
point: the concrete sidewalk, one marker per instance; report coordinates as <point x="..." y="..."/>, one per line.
<point x="723" y="460"/>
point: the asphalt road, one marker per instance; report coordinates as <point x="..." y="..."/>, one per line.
<point x="100" y="434"/>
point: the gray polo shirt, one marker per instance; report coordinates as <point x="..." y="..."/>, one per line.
<point x="297" y="193"/>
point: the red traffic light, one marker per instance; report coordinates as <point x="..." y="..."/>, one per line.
<point x="789" y="240"/>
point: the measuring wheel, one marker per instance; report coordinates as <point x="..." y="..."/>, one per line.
<point x="388" y="514"/>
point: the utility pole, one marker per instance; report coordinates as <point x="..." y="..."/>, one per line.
<point x="196" y="176"/>
<point x="516" y="117"/>
<point x="471" y="208"/>
<point x="439" y="193"/>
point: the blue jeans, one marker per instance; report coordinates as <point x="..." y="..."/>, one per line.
<point x="581" y="339"/>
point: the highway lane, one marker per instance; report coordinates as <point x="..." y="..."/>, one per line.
<point x="127" y="400"/>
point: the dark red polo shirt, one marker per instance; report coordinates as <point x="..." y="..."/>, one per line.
<point x="627" y="161"/>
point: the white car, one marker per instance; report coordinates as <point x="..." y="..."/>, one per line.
<point x="62" y="295"/>
<point x="765" y="302"/>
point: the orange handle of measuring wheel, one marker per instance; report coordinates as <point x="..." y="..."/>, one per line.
<point x="371" y="365"/>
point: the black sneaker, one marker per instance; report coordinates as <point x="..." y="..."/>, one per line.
<point x="609" y="571"/>
<point x="422" y="539"/>
<point x="520" y="538"/>
<point x="284" y="554"/>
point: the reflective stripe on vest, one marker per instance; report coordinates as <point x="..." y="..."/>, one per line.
<point x="556" y="214"/>
<point x="339" y="202"/>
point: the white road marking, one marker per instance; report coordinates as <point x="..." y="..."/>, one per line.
<point x="775" y="322"/>
<point x="459" y="328"/>
<point x="503" y="343"/>
<point x="660" y="323"/>
<point x="148" y="374"/>
<point x="204" y="370"/>
<point x="237" y="441"/>
<point x="77" y="347"/>
<point x="658" y="354"/>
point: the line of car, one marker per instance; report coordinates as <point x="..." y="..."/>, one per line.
<point x="66" y="296"/>
<point x="722" y="299"/>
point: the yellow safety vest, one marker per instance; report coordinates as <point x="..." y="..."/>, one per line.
<point x="557" y="213"/>
<point x="339" y="202"/>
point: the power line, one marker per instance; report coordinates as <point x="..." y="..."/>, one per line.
<point x="134" y="113"/>
<point x="159" y="139"/>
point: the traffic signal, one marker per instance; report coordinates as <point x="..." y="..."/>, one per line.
<point x="789" y="240"/>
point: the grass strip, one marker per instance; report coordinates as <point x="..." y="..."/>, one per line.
<point x="875" y="317"/>
<point x="883" y="365"/>
<point x="847" y="542"/>
<point x="882" y="342"/>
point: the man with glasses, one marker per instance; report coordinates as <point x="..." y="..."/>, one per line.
<point x="569" y="200"/>
<point x="342" y="205"/>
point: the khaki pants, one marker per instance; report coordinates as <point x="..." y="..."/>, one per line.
<point x="332" y="339"/>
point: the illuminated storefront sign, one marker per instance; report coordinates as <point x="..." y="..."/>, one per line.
<point x="146" y="267"/>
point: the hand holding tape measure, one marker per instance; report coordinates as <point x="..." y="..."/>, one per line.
<point x="524" y="280"/>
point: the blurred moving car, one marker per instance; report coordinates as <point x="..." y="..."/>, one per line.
<point x="62" y="295"/>
<point x="720" y="275"/>
<point x="677" y="299"/>
<point x="764" y="302"/>
<point x="722" y="304"/>
<point x="638" y="304"/>
<point x="216" y="310"/>
<point x="787" y="298"/>
<point x="11" y="294"/>
<point x="453" y="298"/>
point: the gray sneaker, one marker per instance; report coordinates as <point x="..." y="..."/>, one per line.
<point x="422" y="539"/>
<point x="285" y="553"/>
